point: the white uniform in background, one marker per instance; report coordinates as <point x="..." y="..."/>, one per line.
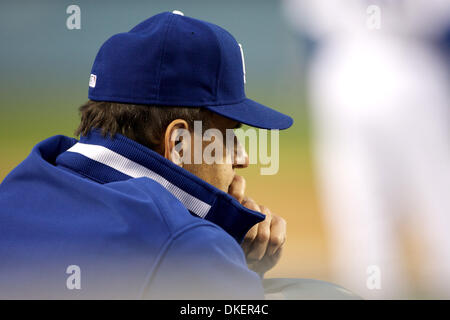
<point x="380" y="107"/>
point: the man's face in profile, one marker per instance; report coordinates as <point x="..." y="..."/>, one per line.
<point x="218" y="173"/>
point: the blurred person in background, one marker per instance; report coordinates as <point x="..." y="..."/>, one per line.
<point x="378" y="87"/>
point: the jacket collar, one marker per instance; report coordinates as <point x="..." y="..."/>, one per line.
<point x="106" y="159"/>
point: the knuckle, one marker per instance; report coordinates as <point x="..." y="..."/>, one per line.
<point x="277" y="240"/>
<point x="262" y="237"/>
<point x="253" y="257"/>
<point x="250" y="236"/>
<point x="265" y="210"/>
<point x="279" y="220"/>
<point x="251" y="205"/>
<point x="250" y="202"/>
<point x="239" y="195"/>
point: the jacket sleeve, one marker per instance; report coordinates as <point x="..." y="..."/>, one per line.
<point x="203" y="262"/>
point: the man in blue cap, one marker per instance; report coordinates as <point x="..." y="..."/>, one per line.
<point x="116" y="214"/>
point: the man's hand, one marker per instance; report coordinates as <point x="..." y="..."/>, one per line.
<point x="263" y="244"/>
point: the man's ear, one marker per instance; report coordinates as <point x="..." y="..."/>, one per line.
<point x="177" y="130"/>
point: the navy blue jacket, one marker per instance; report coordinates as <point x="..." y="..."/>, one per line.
<point x="136" y="226"/>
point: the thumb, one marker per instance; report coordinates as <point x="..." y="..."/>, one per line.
<point x="237" y="188"/>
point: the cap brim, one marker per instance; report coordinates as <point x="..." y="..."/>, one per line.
<point x="253" y="114"/>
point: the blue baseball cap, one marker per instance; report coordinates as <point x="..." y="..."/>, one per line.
<point x="174" y="60"/>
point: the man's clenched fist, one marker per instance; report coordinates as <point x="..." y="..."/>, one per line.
<point x="263" y="244"/>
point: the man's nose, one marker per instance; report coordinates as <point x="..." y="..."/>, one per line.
<point x="240" y="156"/>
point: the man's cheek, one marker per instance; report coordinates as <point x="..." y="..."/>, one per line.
<point x="223" y="175"/>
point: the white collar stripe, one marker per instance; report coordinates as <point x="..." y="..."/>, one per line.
<point x="135" y="170"/>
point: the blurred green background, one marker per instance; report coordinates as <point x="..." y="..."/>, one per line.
<point x="44" y="72"/>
